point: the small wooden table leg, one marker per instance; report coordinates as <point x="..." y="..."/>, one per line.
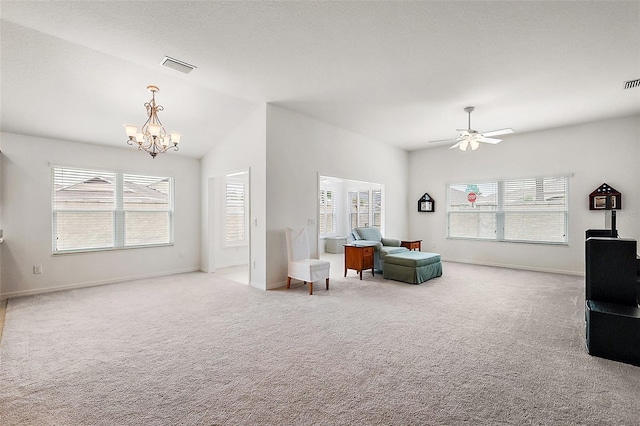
<point x="311" y="288"/>
<point x="288" y="282"/>
<point x="327" y="283"/>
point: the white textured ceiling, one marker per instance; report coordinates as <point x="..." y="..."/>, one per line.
<point x="400" y="72"/>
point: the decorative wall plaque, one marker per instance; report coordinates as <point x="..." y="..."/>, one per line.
<point x="426" y="203"/>
<point x="605" y="197"/>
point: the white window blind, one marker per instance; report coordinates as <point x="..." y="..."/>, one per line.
<point x="235" y="213"/>
<point x="327" y="212"/>
<point x="102" y="210"/>
<point x="365" y="208"/>
<point x="376" y="207"/>
<point x="353" y="209"/>
<point x="525" y="210"/>
<point x="536" y="209"/>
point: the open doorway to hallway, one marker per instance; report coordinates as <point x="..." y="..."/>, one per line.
<point x="230" y="239"/>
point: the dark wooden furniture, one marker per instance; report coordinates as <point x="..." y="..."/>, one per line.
<point x="358" y="258"/>
<point x="605" y="197"/>
<point x="611" y="309"/>
<point x="412" y="244"/>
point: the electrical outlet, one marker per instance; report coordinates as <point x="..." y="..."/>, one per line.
<point x="37" y="269"/>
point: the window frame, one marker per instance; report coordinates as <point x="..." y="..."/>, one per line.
<point x="502" y="210"/>
<point x="118" y="210"/>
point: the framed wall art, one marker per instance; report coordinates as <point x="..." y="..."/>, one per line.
<point x="426" y="203"/>
<point x="605" y="197"/>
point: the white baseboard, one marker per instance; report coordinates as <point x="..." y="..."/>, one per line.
<point x="273" y="286"/>
<point x="509" y="266"/>
<point x="259" y="286"/>
<point x="92" y="283"/>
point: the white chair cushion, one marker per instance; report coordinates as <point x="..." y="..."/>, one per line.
<point x="309" y="270"/>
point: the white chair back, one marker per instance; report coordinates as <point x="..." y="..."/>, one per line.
<point x="297" y="243"/>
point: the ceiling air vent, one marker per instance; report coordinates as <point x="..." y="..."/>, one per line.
<point x="177" y="65"/>
<point x="632" y="83"/>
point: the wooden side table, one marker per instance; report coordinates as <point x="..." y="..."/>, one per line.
<point x="358" y="258"/>
<point x="412" y="244"/>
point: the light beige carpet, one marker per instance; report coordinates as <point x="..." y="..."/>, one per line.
<point x="478" y="345"/>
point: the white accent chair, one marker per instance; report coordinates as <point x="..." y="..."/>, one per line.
<point x="301" y="267"/>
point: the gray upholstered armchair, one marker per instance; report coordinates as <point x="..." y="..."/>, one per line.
<point x="368" y="236"/>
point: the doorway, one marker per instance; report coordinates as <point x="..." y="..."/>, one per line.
<point x="345" y="204"/>
<point x="229" y="231"/>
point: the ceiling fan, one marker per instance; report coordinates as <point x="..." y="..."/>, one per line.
<point x="469" y="137"/>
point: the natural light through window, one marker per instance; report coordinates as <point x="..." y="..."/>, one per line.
<point x="236" y="227"/>
<point x="328" y="218"/>
<point x="103" y="210"/>
<point x="519" y="210"/>
<point x="345" y="204"/>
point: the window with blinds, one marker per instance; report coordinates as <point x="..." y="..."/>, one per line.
<point x="328" y="220"/>
<point x="235" y="229"/>
<point x="353" y="209"/>
<point x="376" y="207"/>
<point x="520" y="210"/>
<point x="105" y="210"/>
<point x="365" y="208"/>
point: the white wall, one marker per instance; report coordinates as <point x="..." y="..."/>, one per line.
<point x="300" y="148"/>
<point x="244" y="148"/>
<point x="26" y="213"/>
<point x="593" y="153"/>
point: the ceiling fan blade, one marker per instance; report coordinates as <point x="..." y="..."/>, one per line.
<point x="489" y="140"/>
<point x="443" y="140"/>
<point x="456" y="145"/>
<point x="498" y="132"/>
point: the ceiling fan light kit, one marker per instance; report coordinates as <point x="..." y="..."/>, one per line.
<point x="472" y="138"/>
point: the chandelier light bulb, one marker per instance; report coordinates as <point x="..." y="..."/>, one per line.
<point x="154" y="129"/>
<point x="130" y="129"/>
<point x="175" y="137"/>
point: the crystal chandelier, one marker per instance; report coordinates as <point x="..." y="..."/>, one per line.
<point x="152" y="137"/>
